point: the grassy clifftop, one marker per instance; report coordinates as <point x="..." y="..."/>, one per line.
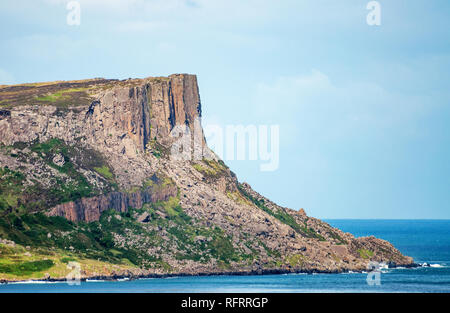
<point x="61" y="94"/>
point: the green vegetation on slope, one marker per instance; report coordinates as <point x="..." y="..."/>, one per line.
<point x="10" y="188"/>
<point x="365" y="254"/>
<point x="105" y="172"/>
<point x="26" y="268"/>
<point x="335" y="236"/>
<point x="282" y="216"/>
<point x="123" y="238"/>
<point x="21" y="195"/>
<point x="157" y="149"/>
<point x="88" y="240"/>
<point x="211" y="169"/>
<point x="20" y="263"/>
<point x="193" y="241"/>
<point x="62" y="95"/>
<point x="295" y="260"/>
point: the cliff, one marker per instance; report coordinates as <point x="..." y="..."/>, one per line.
<point x="98" y="151"/>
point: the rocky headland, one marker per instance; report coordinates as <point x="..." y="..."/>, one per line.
<point x="87" y="176"/>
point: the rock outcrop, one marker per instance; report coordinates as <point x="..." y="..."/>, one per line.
<point x="121" y="120"/>
<point x="90" y="209"/>
<point x="130" y="112"/>
<point x="112" y="152"/>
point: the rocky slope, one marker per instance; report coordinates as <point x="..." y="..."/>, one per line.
<point x="86" y="170"/>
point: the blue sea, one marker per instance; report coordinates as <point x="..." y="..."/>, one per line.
<point x="427" y="241"/>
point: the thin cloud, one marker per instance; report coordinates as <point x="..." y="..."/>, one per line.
<point x="313" y="104"/>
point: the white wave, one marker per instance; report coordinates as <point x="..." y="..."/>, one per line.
<point x="173" y="277"/>
<point x="435" y="265"/>
<point x="123" y="279"/>
<point x="383" y="266"/>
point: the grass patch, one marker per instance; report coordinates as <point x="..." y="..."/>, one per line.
<point x="66" y="260"/>
<point x="60" y="95"/>
<point x="237" y="197"/>
<point x="295" y="260"/>
<point x="105" y="172"/>
<point x="18" y="263"/>
<point x="210" y="168"/>
<point x="365" y="254"/>
<point x="11" y="187"/>
<point x="159" y="181"/>
<point x="26" y="268"/>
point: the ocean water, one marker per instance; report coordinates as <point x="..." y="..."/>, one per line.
<point x="427" y="241"/>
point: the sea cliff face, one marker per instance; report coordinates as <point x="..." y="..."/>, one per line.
<point x="98" y="152"/>
<point x="90" y="209"/>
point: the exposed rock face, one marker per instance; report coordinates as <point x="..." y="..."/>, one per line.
<point x="90" y="209"/>
<point x="129" y="114"/>
<point x="119" y="122"/>
<point x="129" y="124"/>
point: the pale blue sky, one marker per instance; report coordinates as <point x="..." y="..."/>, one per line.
<point x="364" y="112"/>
